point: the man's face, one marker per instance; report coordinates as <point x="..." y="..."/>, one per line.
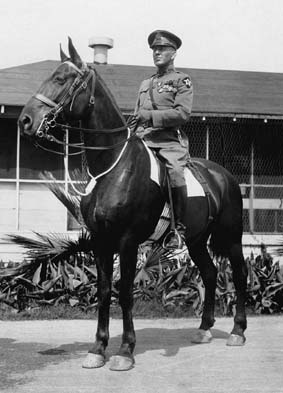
<point x="163" y="55"/>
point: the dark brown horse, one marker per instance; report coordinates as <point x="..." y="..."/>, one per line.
<point x="124" y="206"/>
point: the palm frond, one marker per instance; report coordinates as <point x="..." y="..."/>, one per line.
<point x="69" y="200"/>
<point x="157" y="255"/>
<point x="10" y="272"/>
<point x="81" y="178"/>
<point x="54" y="246"/>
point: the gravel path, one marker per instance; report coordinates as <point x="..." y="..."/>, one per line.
<point x="46" y="356"/>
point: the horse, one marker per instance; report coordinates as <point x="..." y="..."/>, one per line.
<point x="124" y="206"/>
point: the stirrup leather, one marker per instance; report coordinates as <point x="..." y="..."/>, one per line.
<point x="173" y="240"/>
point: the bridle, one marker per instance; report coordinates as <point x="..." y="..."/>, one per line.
<point x="84" y="76"/>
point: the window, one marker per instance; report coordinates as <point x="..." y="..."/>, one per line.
<point x="25" y="201"/>
<point x="34" y="161"/>
<point x="8" y="150"/>
<point x="251" y="150"/>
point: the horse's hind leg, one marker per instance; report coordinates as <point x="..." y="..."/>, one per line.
<point x="124" y="360"/>
<point x="240" y="281"/>
<point x="96" y="355"/>
<point x="208" y="272"/>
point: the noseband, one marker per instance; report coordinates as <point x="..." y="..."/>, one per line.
<point x="85" y="75"/>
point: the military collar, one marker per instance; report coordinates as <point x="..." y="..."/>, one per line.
<point x="167" y="71"/>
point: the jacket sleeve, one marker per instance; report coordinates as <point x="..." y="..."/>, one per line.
<point x="143" y="86"/>
<point x="137" y="105"/>
<point x="181" y="110"/>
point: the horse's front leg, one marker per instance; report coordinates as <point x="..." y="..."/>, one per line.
<point x="96" y="356"/>
<point x="124" y="360"/>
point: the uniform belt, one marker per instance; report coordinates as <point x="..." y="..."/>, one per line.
<point x="147" y="124"/>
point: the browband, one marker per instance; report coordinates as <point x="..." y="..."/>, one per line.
<point x="80" y="71"/>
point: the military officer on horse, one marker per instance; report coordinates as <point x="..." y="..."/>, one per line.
<point x="164" y="104"/>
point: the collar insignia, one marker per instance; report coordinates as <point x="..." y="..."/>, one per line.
<point x="187" y="82"/>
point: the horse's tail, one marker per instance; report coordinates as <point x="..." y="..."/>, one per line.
<point x="225" y="235"/>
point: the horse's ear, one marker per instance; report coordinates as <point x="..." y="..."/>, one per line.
<point x="63" y="56"/>
<point x="75" y="57"/>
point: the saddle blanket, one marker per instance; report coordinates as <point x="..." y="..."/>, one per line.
<point x="194" y="188"/>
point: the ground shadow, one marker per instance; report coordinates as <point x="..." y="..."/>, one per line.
<point x="17" y="358"/>
<point x="168" y="340"/>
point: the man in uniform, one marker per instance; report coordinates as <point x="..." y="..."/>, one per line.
<point x="164" y="104"/>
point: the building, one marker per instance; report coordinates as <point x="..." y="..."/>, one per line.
<point x="236" y="121"/>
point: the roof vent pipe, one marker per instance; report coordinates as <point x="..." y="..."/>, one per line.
<point x="100" y="45"/>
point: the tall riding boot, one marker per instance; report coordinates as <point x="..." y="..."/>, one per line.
<point x="179" y="196"/>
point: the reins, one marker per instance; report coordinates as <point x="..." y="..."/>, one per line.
<point x="81" y="146"/>
<point x="93" y="179"/>
<point x="91" y="130"/>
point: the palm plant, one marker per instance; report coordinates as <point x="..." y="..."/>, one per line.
<point x="170" y="277"/>
<point x="58" y="268"/>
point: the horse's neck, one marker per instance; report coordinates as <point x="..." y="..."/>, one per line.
<point x="104" y="116"/>
<point x="131" y="171"/>
<point x="127" y="161"/>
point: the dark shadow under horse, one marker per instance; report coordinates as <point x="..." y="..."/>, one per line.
<point x="124" y="206"/>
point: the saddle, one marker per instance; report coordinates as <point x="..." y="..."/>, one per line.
<point x="211" y="198"/>
<point x="201" y="174"/>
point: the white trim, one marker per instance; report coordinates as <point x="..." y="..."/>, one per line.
<point x="30" y="181"/>
<point x="18" y="180"/>
<point x="264" y="203"/>
<point x="66" y="165"/>
<point x="93" y="179"/>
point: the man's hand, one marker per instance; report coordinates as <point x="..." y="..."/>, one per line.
<point x="143" y="116"/>
<point x="141" y="131"/>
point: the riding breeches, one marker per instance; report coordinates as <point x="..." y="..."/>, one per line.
<point x="175" y="157"/>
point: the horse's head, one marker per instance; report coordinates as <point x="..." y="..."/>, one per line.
<point x="67" y="93"/>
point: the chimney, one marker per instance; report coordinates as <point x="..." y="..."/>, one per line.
<point x="100" y="46"/>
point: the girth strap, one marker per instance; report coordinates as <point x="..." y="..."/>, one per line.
<point x="198" y="175"/>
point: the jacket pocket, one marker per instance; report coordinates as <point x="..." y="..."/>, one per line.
<point x="144" y="95"/>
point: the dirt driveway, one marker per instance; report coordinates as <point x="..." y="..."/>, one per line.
<point x="46" y="356"/>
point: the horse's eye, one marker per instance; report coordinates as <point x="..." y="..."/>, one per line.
<point x="60" y="80"/>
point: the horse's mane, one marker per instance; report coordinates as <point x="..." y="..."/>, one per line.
<point x="108" y="93"/>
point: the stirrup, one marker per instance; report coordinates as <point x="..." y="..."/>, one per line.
<point x="175" y="238"/>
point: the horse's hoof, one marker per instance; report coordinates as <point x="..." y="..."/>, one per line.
<point x="235" y="340"/>
<point x="121" y="363"/>
<point x="93" y="360"/>
<point x="202" y="337"/>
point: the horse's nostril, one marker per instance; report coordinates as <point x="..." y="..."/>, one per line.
<point x="26" y="121"/>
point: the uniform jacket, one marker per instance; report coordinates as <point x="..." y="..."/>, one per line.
<point x="173" y="95"/>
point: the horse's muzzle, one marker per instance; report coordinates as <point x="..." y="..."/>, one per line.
<point x="25" y="123"/>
